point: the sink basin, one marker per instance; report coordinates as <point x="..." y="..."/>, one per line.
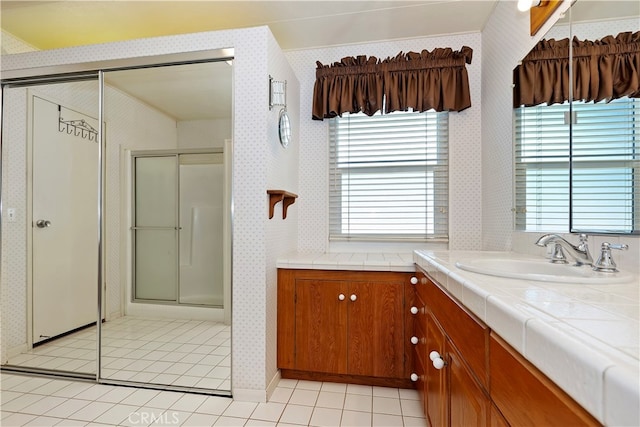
<point x="541" y="270"/>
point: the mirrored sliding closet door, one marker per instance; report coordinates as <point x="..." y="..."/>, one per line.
<point x="50" y="163"/>
<point x="168" y="214"/>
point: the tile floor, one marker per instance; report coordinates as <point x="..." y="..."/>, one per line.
<point x="189" y="353"/>
<point x="32" y="401"/>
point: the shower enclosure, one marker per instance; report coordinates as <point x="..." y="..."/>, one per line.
<point x="179" y="218"/>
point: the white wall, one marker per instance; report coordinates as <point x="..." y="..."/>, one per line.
<point x="282" y="173"/>
<point x="465" y="213"/>
<point x="204" y="133"/>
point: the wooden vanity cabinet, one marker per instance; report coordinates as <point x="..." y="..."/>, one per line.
<point x="456" y="394"/>
<point x="485" y="382"/>
<point x="343" y="326"/>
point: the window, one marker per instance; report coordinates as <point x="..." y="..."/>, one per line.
<point x="388" y="176"/>
<point x="605" y="165"/>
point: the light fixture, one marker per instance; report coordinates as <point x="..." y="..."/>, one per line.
<point x="525" y="5"/>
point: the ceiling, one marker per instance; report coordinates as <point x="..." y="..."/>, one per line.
<point x="298" y="24"/>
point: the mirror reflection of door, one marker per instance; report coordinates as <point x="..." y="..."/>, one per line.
<point x="50" y="247"/>
<point x="65" y="226"/>
<point x="174" y="216"/>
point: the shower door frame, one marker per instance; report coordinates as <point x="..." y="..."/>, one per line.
<point x="132" y="209"/>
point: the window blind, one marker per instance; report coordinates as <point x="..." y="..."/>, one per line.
<point x="605" y="161"/>
<point x="388" y="176"/>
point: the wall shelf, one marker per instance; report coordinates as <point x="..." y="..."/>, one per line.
<point x="285" y="197"/>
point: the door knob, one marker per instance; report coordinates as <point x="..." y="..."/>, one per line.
<point x="438" y="361"/>
<point x="353" y="297"/>
<point x="341" y="297"/>
<point x="414" y="280"/>
<point x="43" y="223"/>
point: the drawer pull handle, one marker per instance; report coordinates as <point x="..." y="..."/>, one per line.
<point x="353" y="297"/>
<point x="414" y="377"/>
<point x="414" y="340"/>
<point x="414" y="310"/>
<point x="437" y="360"/>
<point x="414" y="280"/>
<point x="341" y="297"/>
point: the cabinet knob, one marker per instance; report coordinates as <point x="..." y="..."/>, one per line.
<point x="414" y="340"/>
<point x="438" y="361"/>
<point x="414" y="280"/>
<point x="414" y="310"/>
<point x="414" y="377"/>
<point x="353" y="297"/>
<point x="341" y="297"/>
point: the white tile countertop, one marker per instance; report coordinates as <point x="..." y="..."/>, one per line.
<point x="586" y="338"/>
<point x="358" y="261"/>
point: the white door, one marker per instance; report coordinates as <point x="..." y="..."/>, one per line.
<point x="65" y="222"/>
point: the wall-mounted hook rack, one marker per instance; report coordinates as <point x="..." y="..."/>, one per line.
<point x="285" y="197"/>
<point x="76" y="127"/>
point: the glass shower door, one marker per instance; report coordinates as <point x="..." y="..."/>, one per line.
<point x="156" y="229"/>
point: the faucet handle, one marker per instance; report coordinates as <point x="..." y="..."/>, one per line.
<point x="620" y="247"/>
<point x="605" y="262"/>
<point x="584" y="242"/>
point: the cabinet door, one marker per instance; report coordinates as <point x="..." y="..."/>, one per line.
<point x="376" y="329"/>
<point x="321" y="326"/>
<point x="468" y="405"/>
<point x="437" y="405"/>
<point x="525" y="396"/>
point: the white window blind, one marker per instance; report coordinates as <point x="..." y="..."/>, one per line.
<point x="388" y="176"/>
<point x="605" y="160"/>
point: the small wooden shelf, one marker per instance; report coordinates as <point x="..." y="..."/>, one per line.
<point x="285" y="197"/>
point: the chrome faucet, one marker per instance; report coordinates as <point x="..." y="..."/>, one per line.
<point x="580" y="252"/>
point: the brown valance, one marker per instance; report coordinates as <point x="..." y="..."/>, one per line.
<point x="421" y="81"/>
<point x="604" y="69"/>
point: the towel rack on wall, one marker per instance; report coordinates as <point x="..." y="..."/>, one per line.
<point x="285" y="197"/>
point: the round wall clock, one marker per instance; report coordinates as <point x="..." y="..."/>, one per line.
<point x="284" y="128"/>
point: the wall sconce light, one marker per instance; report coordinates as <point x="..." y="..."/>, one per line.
<point x="525" y="5"/>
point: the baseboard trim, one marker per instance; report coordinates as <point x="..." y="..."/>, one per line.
<point x="249" y="395"/>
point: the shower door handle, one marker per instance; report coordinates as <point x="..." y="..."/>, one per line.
<point x="43" y="223"/>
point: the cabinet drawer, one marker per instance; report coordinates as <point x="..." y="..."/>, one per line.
<point x="525" y="396"/>
<point x="469" y="335"/>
